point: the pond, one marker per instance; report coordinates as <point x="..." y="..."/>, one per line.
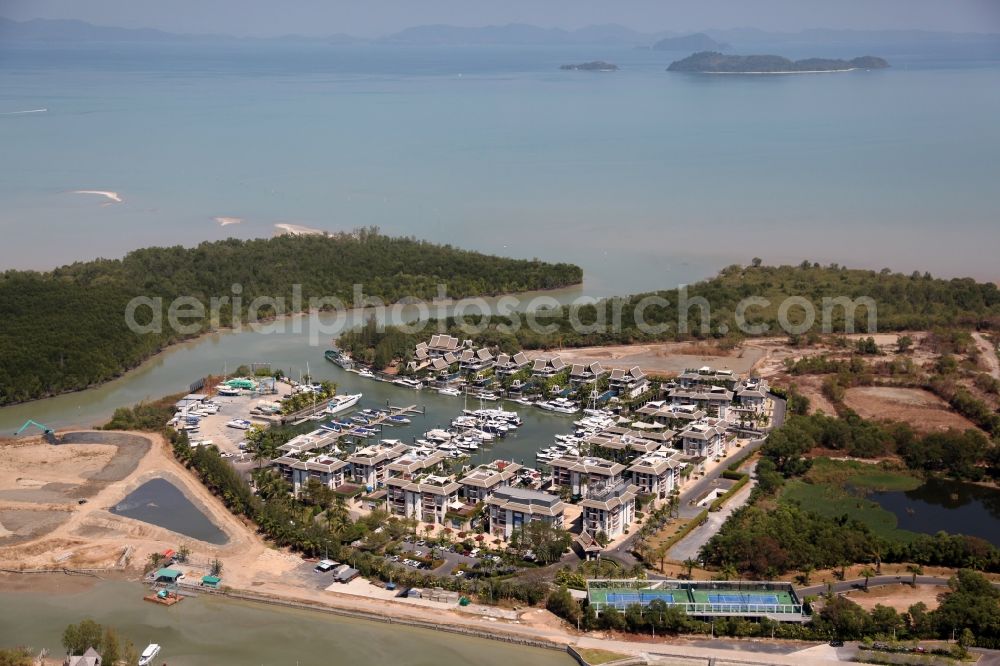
<point x="941" y="505"/>
<point x="161" y="503"/>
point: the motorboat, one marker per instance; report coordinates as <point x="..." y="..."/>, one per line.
<point x="560" y="406"/>
<point x="406" y="382"/>
<point x="366" y="373"/>
<point x="149" y="654"/>
<point x="341" y="403"/>
<point x="454" y="392"/>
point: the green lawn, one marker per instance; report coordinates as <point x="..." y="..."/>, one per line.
<point x="595" y="656"/>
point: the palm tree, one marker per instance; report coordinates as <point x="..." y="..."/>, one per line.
<point x="867" y="572"/>
<point x="915" y="570"/>
<point x="690" y="564"/>
<point x="661" y="555"/>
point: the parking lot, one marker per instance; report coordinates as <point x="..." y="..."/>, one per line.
<point x="228" y="439"/>
<point x="452" y="560"/>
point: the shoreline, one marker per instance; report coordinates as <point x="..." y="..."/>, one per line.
<point x="247" y="328"/>
<point x="634" y="649"/>
<point x="791" y="71"/>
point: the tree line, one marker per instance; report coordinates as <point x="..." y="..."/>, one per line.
<point x="65" y="329"/>
<point x="903" y="302"/>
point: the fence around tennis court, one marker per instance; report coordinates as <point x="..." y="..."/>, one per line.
<point x="774" y="600"/>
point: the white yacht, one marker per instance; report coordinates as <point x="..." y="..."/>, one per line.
<point x="366" y="373"/>
<point x="149" y="654"/>
<point x="408" y="383"/>
<point x="341" y="403"/>
<point x="560" y="405"/>
<point x="454" y="392"/>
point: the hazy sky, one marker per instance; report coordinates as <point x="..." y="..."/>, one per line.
<point x="377" y="17"/>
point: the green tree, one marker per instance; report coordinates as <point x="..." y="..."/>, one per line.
<point x="78" y="637"/>
<point x="110" y="648"/>
<point x="562" y="604"/>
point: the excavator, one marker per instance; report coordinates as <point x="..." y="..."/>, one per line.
<point x="48" y="433"/>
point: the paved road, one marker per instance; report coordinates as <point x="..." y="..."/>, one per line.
<point x="874" y="581"/>
<point x="689" y="546"/>
<point x="622" y="553"/>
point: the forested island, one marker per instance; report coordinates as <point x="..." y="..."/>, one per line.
<point x="595" y="66"/>
<point x="65" y="330"/>
<point x="713" y="62"/>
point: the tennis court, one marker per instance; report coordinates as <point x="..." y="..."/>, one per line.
<point x="700" y="598"/>
<point x="771" y="599"/>
<point x="645" y="596"/>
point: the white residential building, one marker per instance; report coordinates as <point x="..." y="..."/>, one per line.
<point x="510" y="509"/>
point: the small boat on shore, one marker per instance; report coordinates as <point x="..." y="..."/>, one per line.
<point x="149" y="654"/>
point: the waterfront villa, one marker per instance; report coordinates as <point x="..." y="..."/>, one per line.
<point x="657" y="473"/>
<point x="475" y="361"/>
<point x="610" y="510"/>
<point x="706" y="438"/>
<point x="88" y="658"/>
<point x="440" y="345"/>
<point x="509" y="365"/>
<point x="368" y="465"/>
<point x="544" y="368"/>
<point x="512" y="508"/>
<point x="582" y="374"/>
<point x="483" y="481"/>
<point x="580" y="474"/>
<point x="426" y="497"/>
<point x="628" y="384"/>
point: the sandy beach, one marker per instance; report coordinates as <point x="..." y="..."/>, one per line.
<point x="112" y="197"/>
<point x="226" y="221"/>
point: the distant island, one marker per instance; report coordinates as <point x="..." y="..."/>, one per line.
<point x="696" y="42"/>
<point x="713" y="62"/>
<point x="595" y="66"/>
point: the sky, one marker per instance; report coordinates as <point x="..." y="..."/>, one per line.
<point x="371" y="18"/>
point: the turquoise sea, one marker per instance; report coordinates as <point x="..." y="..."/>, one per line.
<point x="645" y="178"/>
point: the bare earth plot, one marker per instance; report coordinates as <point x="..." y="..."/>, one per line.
<point x="667" y="358"/>
<point x="921" y="409"/>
